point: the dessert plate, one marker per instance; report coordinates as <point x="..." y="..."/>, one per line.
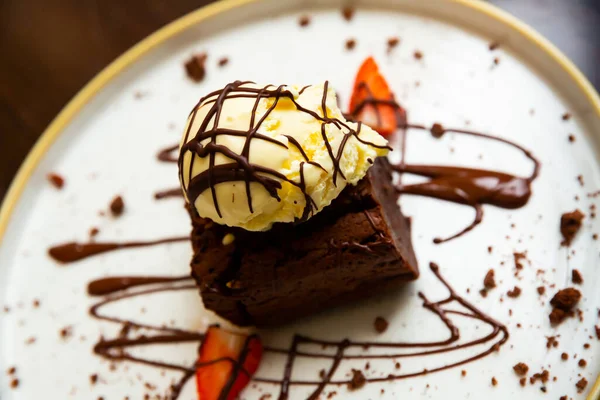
<point x="105" y="143"/>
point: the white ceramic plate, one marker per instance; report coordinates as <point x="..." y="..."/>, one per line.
<point x="105" y="142"/>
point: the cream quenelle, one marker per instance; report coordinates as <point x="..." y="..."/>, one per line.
<point x="255" y="155"/>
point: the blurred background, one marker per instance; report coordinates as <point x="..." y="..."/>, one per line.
<point x="52" y="48"/>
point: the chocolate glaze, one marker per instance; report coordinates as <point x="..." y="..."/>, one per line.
<point x="203" y="144"/>
<point x="469" y="186"/>
<point x="74" y="251"/>
<point x="166" y="154"/>
<point x="104" y="286"/>
<point x="168" y="193"/>
<point x="116" y="349"/>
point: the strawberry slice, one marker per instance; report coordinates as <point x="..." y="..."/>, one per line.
<point x="227" y="362"/>
<point x="372" y="101"/>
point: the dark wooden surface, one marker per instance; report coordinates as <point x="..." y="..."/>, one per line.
<point x="51" y="48"/>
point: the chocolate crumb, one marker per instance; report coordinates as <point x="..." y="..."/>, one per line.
<point x="331" y="395"/>
<point x="12" y="370"/>
<point x="483" y="293"/>
<point x="304" y="21"/>
<point x="418" y="55"/>
<point x="519" y="257"/>
<point x="348" y="13"/>
<point x="493" y="46"/>
<point x="576" y="277"/>
<point x="597" y="328"/>
<point x="564" y="398"/>
<point x="570" y="223"/>
<point x="93" y="379"/>
<point x="564" y="356"/>
<point x="117" y="205"/>
<point x="66" y="332"/>
<point x="496" y="61"/>
<point x="581" y="385"/>
<point x="551" y="342"/>
<point x="557" y="316"/>
<point x="380" y="324"/>
<point x="56" y="180"/>
<point x="523" y="381"/>
<point x="543" y="389"/>
<point x="572" y="138"/>
<point x="566" y="299"/>
<point x="350" y="44"/>
<point x="582" y="363"/>
<point x="586" y="345"/>
<point x="194" y="67"/>
<point x="358" y="380"/>
<point x="541" y="290"/>
<point x="36" y="303"/>
<point x="516" y="292"/>
<point x="30" y="340"/>
<point x="489" y="282"/>
<point x="543" y="376"/>
<point x="490" y="249"/>
<point x="463" y="373"/>
<point x="595" y="236"/>
<point x="580" y="180"/>
<point x="494" y="381"/>
<point x="392" y="43"/>
<point x="223" y="61"/>
<point x="397" y="365"/>
<point x="521" y="369"/>
<point x="14" y="383"/>
<point x="566" y="116"/>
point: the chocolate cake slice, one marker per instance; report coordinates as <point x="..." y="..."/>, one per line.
<point x="356" y="247"/>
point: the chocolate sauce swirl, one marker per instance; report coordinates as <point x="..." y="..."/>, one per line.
<point x="74" y="251"/>
<point x="115" y="349"/>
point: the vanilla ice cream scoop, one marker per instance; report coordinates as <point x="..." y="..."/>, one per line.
<point x="255" y="155"/>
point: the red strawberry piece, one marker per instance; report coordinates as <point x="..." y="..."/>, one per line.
<point x="372" y="101"/>
<point x="227" y="362"/>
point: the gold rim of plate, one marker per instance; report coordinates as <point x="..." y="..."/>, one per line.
<point x="65" y="116"/>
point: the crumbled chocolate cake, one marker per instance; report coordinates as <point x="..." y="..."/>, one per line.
<point x="380" y="324"/>
<point x="570" y="223"/>
<point x="571" y="138"/>
<point x="94" y="232"/>
<point x="581" y="385"/>
<point x="195" y="67"/>
<point x="437" y="130"/>
<point x="576" y="277"/>
<point x="582" y="363"/>
<point x="564" y="356"/>
<point x="551" y="341"/>
<point x="56" y="180"/>
<point x="14" y="383"/>
<point x="392" y="43"/>
<point x="223" y="61"/>
<point x="521" y="369"/>
<point x="350" y="44"/>
<point x="541" y="290"/>
<point x="489" y="282"/>
<point x="563" y="302"/>
<point x="418" y="55"/>
<point x="514" y="293"/>
<point x="117" y="205"/>
<point x="348" y="13"/>
<point x="494" y="381"/>
<point x="358" y="380"/>
<point x="304" y="21"/>
<point x="566" y="116"/>
<point x="493" y="46"/>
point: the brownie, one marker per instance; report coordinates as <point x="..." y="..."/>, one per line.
<point x="358" y="246"/>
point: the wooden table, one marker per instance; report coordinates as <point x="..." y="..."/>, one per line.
<point x="51" y="48"/>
